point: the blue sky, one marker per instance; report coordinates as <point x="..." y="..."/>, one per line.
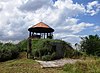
<point x="71" y="19"/>
<point x="87" y="18"/>
<point x="91" y="19"/>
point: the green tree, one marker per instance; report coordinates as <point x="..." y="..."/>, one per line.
<point x="8" y="51"/>
<point x="91" y="45"/>
<point x="22" y="45"/>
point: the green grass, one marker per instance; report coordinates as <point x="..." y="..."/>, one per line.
<point x="24" y="65"/>
<point x="90" y="65"/>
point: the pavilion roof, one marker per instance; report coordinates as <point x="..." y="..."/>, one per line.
<point x="41" y="27"/>
<point x="41" y="24"/>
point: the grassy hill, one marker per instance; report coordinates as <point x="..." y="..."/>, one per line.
<point x="24" y="65"/>
<point x="13" y="58"/>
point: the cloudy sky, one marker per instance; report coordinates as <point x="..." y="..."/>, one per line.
<point x="71" y="19"/>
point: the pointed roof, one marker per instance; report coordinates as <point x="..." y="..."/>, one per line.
<point x="41" y="28"/>
<point x="41" y="24"/>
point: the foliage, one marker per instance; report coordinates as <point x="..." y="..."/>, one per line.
<point x="8" y="51"/>
<point x="91" y="45"/>
<point x="86" y="66"/>
<point x="46" y="57"/>
<point x="24" y="65"/>
<point x="45" y="49"/>
<point x="22" y="45"/>
<point x="1" y="43"/>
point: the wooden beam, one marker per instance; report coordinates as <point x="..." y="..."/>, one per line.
<point x="47" y="35"/>
<point x="44" y="35"/>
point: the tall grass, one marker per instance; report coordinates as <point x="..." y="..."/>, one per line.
<point x="86" y="66"/>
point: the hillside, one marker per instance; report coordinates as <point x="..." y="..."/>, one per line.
<point x="24" y="65"/>
<point x="13" y="58"/>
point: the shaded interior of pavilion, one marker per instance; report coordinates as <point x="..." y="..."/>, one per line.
<point x="41" y="31"/>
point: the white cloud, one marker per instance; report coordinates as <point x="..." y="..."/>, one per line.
<point x="74" y="27"/>
<point x="10" y="20"/>
<point x="71" y="38"/>
<point x="31" y="5"/>
<point x="93" y="8"/>
<point x="70" y="30"/>
<point x="16" y="17"/>
<point x="80" y="27"/>
<point x="96" y="28"/>
<point x="72" y="21"/>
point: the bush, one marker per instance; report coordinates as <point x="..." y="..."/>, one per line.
<point x="46" y="58"/>
<point x="91" y="45"/>
<point x="69" y="53"/>
<point x="54" y="56"/>
<point x="5" y="54"/>
<point x="45" y="49"/>
<point x="8" y="51"/>
<point x="22" y="45"/>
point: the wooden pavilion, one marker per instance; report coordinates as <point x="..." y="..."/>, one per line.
<point x="39" y="31"/>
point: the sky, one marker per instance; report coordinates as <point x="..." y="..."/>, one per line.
<point x="71" y="19"/>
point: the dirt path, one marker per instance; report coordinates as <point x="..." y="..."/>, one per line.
<point x="57" y="63"/>
<point x="48" y="64"/>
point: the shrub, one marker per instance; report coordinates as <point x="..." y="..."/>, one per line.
<point x="35" y="53"/>
<point x="5" y="54"/>
<point x="54" y="56"/>
<point x="77" y="54"/>
<point x="46" y="57"/>
<point x="45" y="49"/>
<point x="8" y="51"/>
<point x="22" y="45"/>
<point x="91" y="45"/>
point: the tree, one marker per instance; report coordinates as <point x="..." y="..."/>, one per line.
<point x="91" y="45"/>
<point x="22" y="45"/>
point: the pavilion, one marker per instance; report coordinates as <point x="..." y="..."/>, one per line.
<point x="39" y="31"/>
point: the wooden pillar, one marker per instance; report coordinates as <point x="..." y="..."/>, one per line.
<point x="36" y="33"/>
<point x="47" y="35"/>
<point x="30" y="34"/>
<point x="50" y="34"/>
<point x="44" y="35"/>
<point x="29" y="49"/>
<point x="40" y="35"/>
